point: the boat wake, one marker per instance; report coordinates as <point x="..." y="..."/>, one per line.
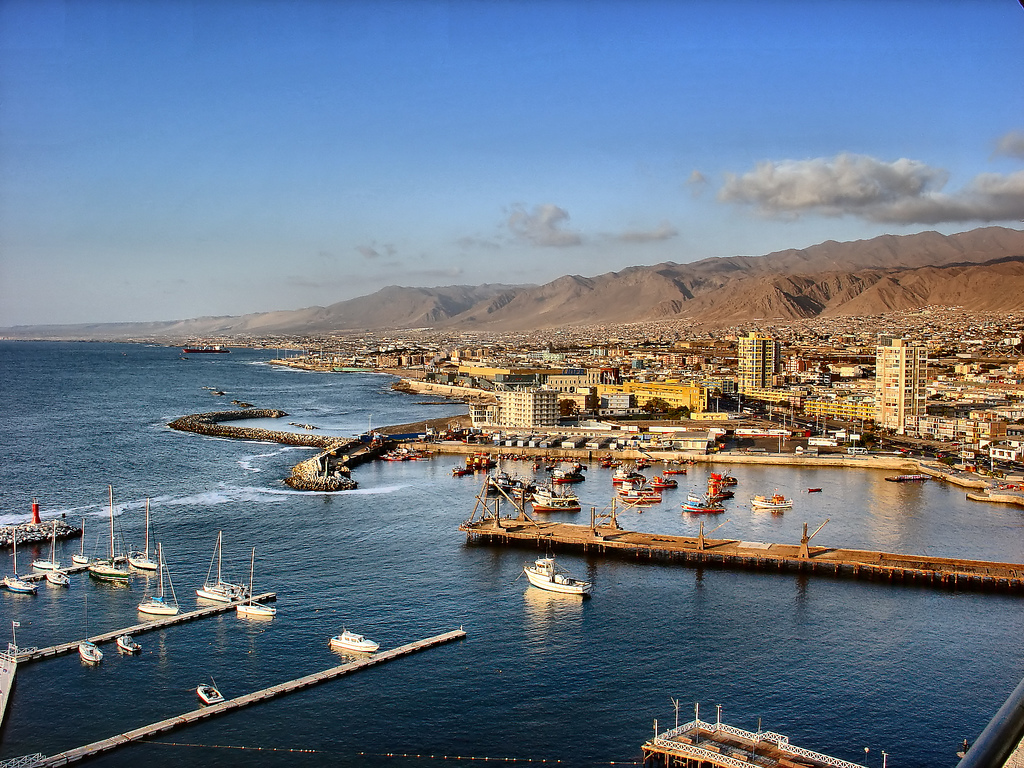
<point x="246" y="462"/>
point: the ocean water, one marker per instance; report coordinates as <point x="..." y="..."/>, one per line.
<point x="836" y="665"/>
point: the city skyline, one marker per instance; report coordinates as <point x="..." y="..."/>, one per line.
<point x="165" y="161"/>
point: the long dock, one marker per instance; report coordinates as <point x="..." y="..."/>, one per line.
<point x="35" y="654"/>
<point x="196" y="715"/>
<point x="916" y="570"/>
<point x="8" y="668"/>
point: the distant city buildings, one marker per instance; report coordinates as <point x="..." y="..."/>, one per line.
<point x="900" y="379"/>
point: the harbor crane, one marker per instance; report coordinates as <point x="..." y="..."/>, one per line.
<point x="700" y="538"/>
<point x="805" y="539"/>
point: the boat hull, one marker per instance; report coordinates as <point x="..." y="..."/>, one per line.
<point x="19" y="586"/>
<point x="209" y="695"/>
<point x="221" y="593"/>
<point x="156" y="607"/>
<point x="126" y="644"/>
<point x="556" y="583"/>
<point x="362" y="645"/>
<point x="142" y="563"/>
<point x="88" y="652"/>
<point x="58" y="579"/>
<point x="107" y="572"/>
<point x="256" y="610"/>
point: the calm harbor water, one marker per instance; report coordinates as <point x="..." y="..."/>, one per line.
<point x="836" y="665"/>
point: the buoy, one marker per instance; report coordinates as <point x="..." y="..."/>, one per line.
<point x="35" y="512"/>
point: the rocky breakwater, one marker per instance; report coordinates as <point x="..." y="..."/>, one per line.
<point x="315" y="474"/>
<point x="37" y="533"/>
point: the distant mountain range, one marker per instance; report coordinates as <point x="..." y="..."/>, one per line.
<point x="980" y="270"/>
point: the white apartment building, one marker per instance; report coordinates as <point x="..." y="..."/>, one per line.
<point x="534" y="407"/>
<point x="900" y="373"/>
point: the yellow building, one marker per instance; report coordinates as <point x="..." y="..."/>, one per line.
<point x="676" y="394"/>
<point x="841" y="408"/>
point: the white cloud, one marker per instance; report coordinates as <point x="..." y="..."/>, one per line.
<point x="543" y="226"/>
<point x="904" y="191"/>
<point x="1011" y="144"/>
<point x="664" y="231"/>
<point x="374" y="251"/>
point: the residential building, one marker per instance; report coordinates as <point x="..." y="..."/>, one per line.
<point x="760" y="359"/>
<point x="900" y="374"/>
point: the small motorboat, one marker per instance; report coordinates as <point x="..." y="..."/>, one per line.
<point x="208" y="694"/>
<point x="350" y="641"/>
<point x="814" y="490"/>
<point x="126" y="644"/>
<point x="544" y="575"/>
<point x="58" y="578"/>
<point x="89" y="652"/>
<point x="461" y="471"/>
<point x="658" y="482"/>
<point x="681" y="471"/>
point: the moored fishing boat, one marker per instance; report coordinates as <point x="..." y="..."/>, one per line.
<point x="89" y="652"/>
<point x="546" y="499"/>
<point x="774" y="503"/>
<point x="907" y="478"/>
<point x="626" y="475"/>
<point x="572" y="475"/>
<point x="543" y="574"/>
<point x="701" y="504"/>
<point x="658" y="482"/>
<point x="350" y="641"/>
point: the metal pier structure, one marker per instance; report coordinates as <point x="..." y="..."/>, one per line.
<point x="698" y="744"/>
<point x="8" y="668"/>
<point x="610" y="540"/>
<point x="35" y="654"/>
<point x="196" y="715"/>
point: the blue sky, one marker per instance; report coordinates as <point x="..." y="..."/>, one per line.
<point x="165" y="160"/>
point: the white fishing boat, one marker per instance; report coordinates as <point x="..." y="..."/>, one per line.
<point x="220" y="590"/>
<point x="544" y="575"/>
<point x="14" y="583"/>
<point x="81" y="559"/>
<point x="126" y="644"/>
<point x="111" y="568"/>
<point x="774" y="503"/>
<point x="249" y="608"/>
<point x="208" y="694"/>
<point x="51" y="564"/>
<point x="546" y="499"/>
<point x="89" y="652"/>
<point x="158" y="605"/>
<point x="350" y="641"/>
<point x="141" y="560"/>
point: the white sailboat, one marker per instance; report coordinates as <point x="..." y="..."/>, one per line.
<point x="51" y="564"/>
<point x="15" y="583"/>
<point x="87" y="650"/>
<point x="220" y="590"/>
<point x="140" y="560"/>
<point x="157" y="605"/>
<point x="110" y="569"/>
<point x="81" y="559"/>
<point x="249" y="608"/>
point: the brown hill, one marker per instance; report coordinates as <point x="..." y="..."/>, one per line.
<point x="980" y="270"/>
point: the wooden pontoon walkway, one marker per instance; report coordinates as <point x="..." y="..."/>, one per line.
<point x="918" y="570"/>
<point x="35" y="654"/>
<point x="98" y="747"/>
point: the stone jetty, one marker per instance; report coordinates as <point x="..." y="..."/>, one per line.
<point x="37" y="533"/>
<point x="329" y="470"/>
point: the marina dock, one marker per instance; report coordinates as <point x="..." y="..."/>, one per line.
<point x="196" y="715"/>
<point x="36" y="654"/>
<point x="612" y="541"/>
<point x="723" y="746"/>
<point x="8" y="668"/>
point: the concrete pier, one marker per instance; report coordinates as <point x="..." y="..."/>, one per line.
<point x="895" y="568"/>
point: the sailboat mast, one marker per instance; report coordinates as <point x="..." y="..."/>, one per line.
<point x="160" y="566"/>
<point x="110" y="489"/>
<point x="252" y="570"/>
<point x="220" y="550"/>
<point x="147" y="530"/>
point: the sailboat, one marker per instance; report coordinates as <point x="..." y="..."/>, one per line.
<point x="249" y="608"/>
<point x="87" y="649"/>
<point x="55" y="575"/>
<point x="140" y="560"/>
<point x="51" y="564"/>
<point x="81" y="559"/>
<point x="220" y="590"/>
<point x="157" y="605"/>
<point x="15" y="583"/>
<point x="109" y="569"/>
